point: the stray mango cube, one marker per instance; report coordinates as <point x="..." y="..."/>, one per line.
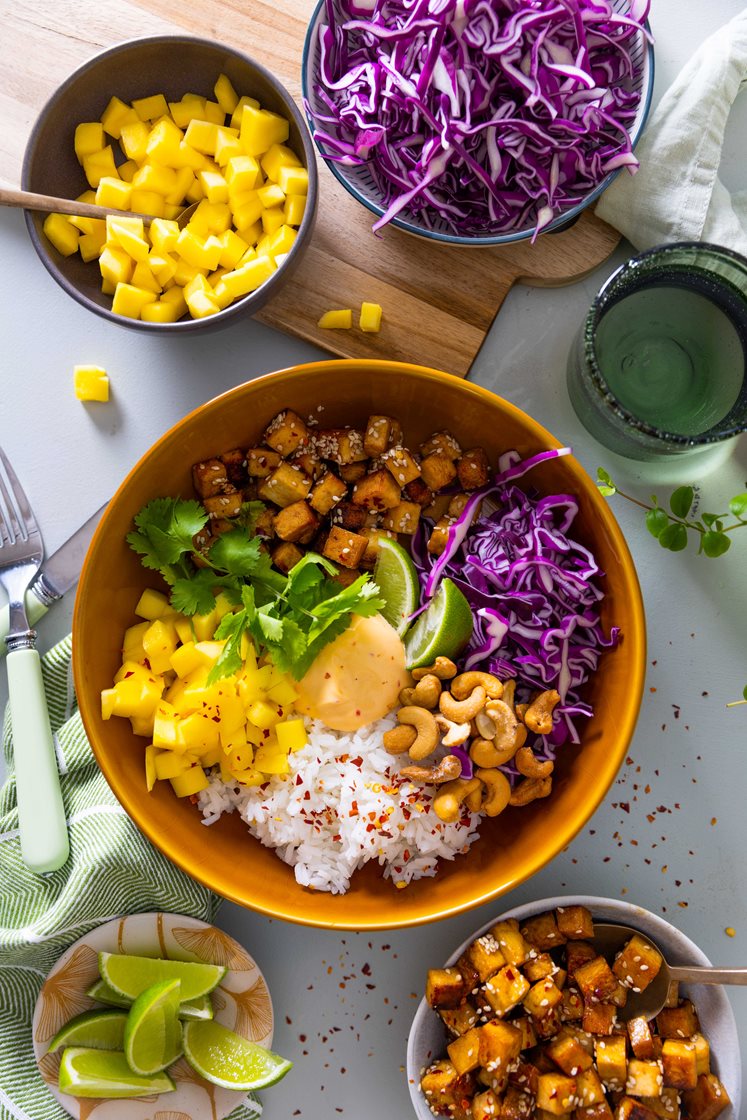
<point x="91" y="383"/>
<point x="370" y="317"/>
<point x="336" y="320"/>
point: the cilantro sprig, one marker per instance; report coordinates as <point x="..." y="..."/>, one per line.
<point x="290" y="617"/>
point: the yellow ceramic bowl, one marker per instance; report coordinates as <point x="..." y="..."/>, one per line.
<point x="225" y="857"/>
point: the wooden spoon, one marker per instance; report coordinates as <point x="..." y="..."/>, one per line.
<point x="27" y="200"/>
<point x="610" y="938"/>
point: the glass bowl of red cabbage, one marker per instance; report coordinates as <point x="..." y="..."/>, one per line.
<point x="477" y="122"/>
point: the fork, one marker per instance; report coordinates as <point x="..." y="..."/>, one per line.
<point x="41" y="814"/>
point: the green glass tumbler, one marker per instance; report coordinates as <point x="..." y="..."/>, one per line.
<point x="657" y="369"/>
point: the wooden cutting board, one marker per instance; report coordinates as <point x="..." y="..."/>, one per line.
<point x="438" y="301"/>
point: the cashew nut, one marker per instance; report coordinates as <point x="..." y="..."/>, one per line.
<point x="427" y="732"/>
<point x="504" y="720"/>
<point x="448" y="768"/>
<point x="530" y="766"/>
<point x="462" y="685"/>
<point x="425" y="694"/>
<point x="461" y="711"/>
<point x="443" y="668"/>
<point x="449" y="798"/>
<point x="399" y="739"/>
<point x="538" y="716"/>
<point x="509" y="689"/>
<point x="453" y="734"/>
<point x="497" y="791"/>
<point x="520" y="710"/>
<point x="530" y="789"/>
<point x="484" y="725"/>
<point x="484" y="752"/>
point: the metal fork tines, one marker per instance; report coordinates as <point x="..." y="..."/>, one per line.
<point x="21" y="552"/>
<point x="41" y="813"/>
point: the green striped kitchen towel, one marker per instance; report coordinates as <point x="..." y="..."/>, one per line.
<point x="112" y="870"/>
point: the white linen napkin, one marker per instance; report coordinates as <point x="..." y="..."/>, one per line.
<point x="676" y="194"/>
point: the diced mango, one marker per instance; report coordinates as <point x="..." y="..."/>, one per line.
<point x="151" y="605"/>
<point x="233" y="248"/>
<point x="291" y="734"/>
<point x="115" y="115"/>
<point x="271" y="195"/>
<point x="135" y="246"/>
<point x="89" y="138"/>
<point x="242" y="173"/>
<point x="113" y="193"/>
<point x="213" y="113"/>
<point x="191" y="107"/>
<point x="260" y="129"/>
<point x="163" y="143"/>
<point x="263" y="714"/>
<point x="130" y="301"/>
<point x="198" y="253"/>
<point x="279" y="155"/>
<point x="249" y="276"/>
<point x="148" y="202"/>
<point x="294" y="209"/>
<point x="150" y="108"/>
<point x="336" y="320"/>
<point x="165" y="723"/>
<point x="227" y="146"/>
<point x="116" y="265"/>
<point x="155" y="177"/>
<point x="142" y="277"/>
<point x="134" y="140"/>
<point x="160" y="312"/>
<point x="127" y="170"/>
<point x="225" y="94"/>
<point x="62" y="235"/>
<point x="190" y="782"/>
<point x="90" y="245"/>
<point x="91" y="383"/>
<point x="238" y="111"/>
<point x="168" y="764"/>
<point x="272" y="220"/>
<point x="162" y="267"/>
<point x="214" y="186"/>
<point x="150" y="767"/>
<point x="201" y="305"/>
<point x="164" y="235"/>
<point x="174" y="297"/>
<point x="271" y="760"/>
<point x="282" y="241"/>
<point x="370" y="317"/>
<point x="293" y="180"/>
<point x="201" y="135"/>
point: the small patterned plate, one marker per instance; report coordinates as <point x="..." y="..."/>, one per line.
<point x="241" y="1002"/>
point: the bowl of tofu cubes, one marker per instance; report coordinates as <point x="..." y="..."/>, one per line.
<point x="526" y="1020"/>
<point x="151" y="127"/>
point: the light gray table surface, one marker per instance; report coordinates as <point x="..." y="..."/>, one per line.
<point x="671" y="833"/>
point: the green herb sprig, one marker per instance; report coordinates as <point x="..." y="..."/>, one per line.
<point x="673" y="528"/>
<point x="291" y="617"/>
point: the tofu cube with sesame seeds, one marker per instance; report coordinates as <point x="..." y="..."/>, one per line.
<point x="485" y="956"/>
<point x="556" y="1093"/>
<point x="677" y="1022"/>
<point x="637" y="964"/>
<point x="516" y="1105"/>
<point x="286" y="555"/>
<point x="445" y="1090"/>
<point x="528" y="1033"/>
<point x="340" y="445"/>
<point x="506" y="990"/>
<point x="402" y="518"/>
<point x="578" y="953"/>
<point x="513" y="945"/>
<point x="285" y="433"/>
<point x="235" y="463"/>
<point x="228" y="504"/>
<point x="439" y="537"/>
<point x="595" y="980"/>
<point x="599" y="1111"/>
<point x="458" y="1020"/>
<point x="284" y="486"/>
<point x="377" y="490"/>
<point x="589" y="1088"/>
<point x="628" y="1108"/>
<point x="611" y="1058"/>
<point x="401" y="465"/>
<point x="464" y="1052"/>
<point x="542" y="931"/>
<point x="445" y="987"/>
<point x="702" y="1053"/>
<point x="571" y="1006"/>
<point x="443" y="443"/>
<point x="261" y="462"/>
<point x="679" y="1063"/>
<point x="575" y="922"/>
<point x="547" y="1025"/>
<point x="641" y="1039"/>
<point x="499" y="1046"/>
<point x="599" y="1018"/>
<point x="523" y="1075"/>
<point x="327" y="493"/>
<point x="568" y="1054"/>
<point x="438" y="471"/>
<point x="349" y="516"/>
<point x="542" y="997"/>
<point x="209" y="478"/>
<point x="473" y="469"/>
<point x="487" y="1106"/>
<point x="381" y="432"/>
<point x="707" y="1100"/>
<point x="296" y="522"/>
<point x="539" y="966"/>
<point x="645" y="1079"/>
<point x="665" y="1107"/>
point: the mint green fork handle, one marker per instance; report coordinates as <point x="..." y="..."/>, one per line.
<point x="41" y="813"/>
<point x="35" y="609"/>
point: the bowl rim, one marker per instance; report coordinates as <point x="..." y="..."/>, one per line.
<point x="189" y="861"/>
<point x="627" y="913"/>
<point x="559" y="224"/>
<point x="240" y="305"/>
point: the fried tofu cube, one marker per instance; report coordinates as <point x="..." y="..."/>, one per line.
<point x="679" y="1063"/>
<point x="473" y="469"/>
<point x="485" y="956"/>
<point x="352" y="472"/>
<point x="568" y="1054"/>
<point x="571" y="1006"/>
<point x="439" y="537"/>
<point x="542" y="931"/>
<point x="666" y="1107"/>
<point x="447" y="1091"/>
<point x="285" y="485"/>
<point x="418" y="491"/>
<point x="228" y="504"/>
<point x="373" y="536"/>
<point x="285" y="433"/>
<point x="542" y="997"/>
<point x="459" y="1020"/>
<point x="620" y="995"/>
<point x="402" y="518"/>
<point x="209" y="477"/>
<point x="556" y="1093"/>
<point x="539" y="966"/>
<point x="344" y="547"/>
<point x="442" y="443"/>
<point x="464" y="1051"/>
<point x="438" y="471"/>
<point x="402" y="466"/>
<point x="637" y="964"/>
<point x="516" y="1105"/>
<point x="589" y="1088"/>
<point x="470" y="974"/>
<point x="340" y="445"/>
<point x="677" y="1022"/>
<point x="578" y="953"/>
<point x="512" y="942"/>
<point x="296" y="522"/>
<point x="286" y="555"/>
<point x="645" y="1079"/>
<point x="630" y="1109"/>
<point x="595" y="980"/>
<point x="524" y="1024"/>
<point x="707" y="1100"/>
<point x="524" y="1074"/>
<point x="381" y="432"/>
<point x="599" y="1111"/>
<point x="486" y="1106"/>
<point x="308" y="462"/>
<point x="445" y="987"/>
<point x="506" y="990"/>
<point x="499" y="1045"/>
<point x="702" y="1053"/>
<point x="235" y="463"/>
<point x="349" y="516"/>
<point x="575" y="922"/>
<point x="377" y="490"/>
<point x="261" y="462"/>
<point x="610" y="1055"/>
<point x="599" y="1018"/>
<point x="641" y="1038"/>
<point x="547" y="1025"/>
<point x="327" y="493"/>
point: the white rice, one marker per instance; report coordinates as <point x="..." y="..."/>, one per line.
<point x="344" y="804"/>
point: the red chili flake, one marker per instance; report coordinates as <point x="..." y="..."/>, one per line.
<point x="307" y="795"/>
<point x="299" y="780"/>
<point x="625" y="806"/>
<point x="336" y="838"/>
<point x="366" y="969"/>
<point x="127" y="674"/>
<point x="357" y="761"/>
<point x="370" y="827"/>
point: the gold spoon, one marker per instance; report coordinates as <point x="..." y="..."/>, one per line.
<point x="27" y="200"/>
<point x="609" y="939"/>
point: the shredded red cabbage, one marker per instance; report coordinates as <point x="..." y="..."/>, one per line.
<point x="534" y="592"/>
<point x="488" y="116"/>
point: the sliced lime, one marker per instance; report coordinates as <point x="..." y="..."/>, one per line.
<point x="397" y="578"/>
<point x="442" y="630"/>
<point x="229" y="1060"/>
<point x="103" y="1030"/>
<point x="129" y="975"/>
<point x="105" y="1073"/>
<point x="153" y="1033"/>
<point x="199" y="1008"/>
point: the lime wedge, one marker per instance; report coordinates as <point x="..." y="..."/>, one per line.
<point x="103" y="1030"/>
<point x="153" y="1033"/>
<point x="229" y="1060"/>
<point x="442" y="630"/>
<point x="129" y="976"/>
<point x="199" y="1008"/>
<point x="397" y="578"/>
<point x="105" y="1073"/>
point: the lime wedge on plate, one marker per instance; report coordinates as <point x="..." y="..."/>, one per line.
<point x="225" y="1058"/>
<point x="199" y="1008"/>
<point x="105" y="1073"/>
<point x="129" y="975"/>
<point x="397" y="579"/>
<point x="102" y="1030"/>
<point x="442" y="630"/>
<point x="153" y="1033"/>
<point x="101" y="991"/>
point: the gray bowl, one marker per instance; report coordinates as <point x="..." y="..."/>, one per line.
<point x="427" y="1038"/>
<point x="173" y="65"/>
